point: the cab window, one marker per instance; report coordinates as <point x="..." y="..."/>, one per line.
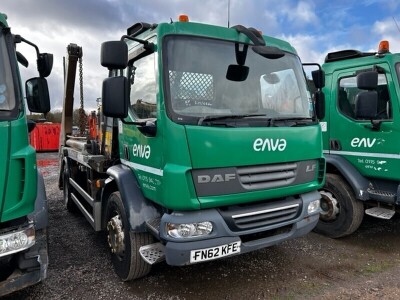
<point x="7" y="95"/>
<point x="143" y="88"/>
<point x="347" y="95"/>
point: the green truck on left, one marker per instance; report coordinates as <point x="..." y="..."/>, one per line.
<point x="23" y="203"/>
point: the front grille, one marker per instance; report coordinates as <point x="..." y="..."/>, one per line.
<point x="267" y="176"/>
<point x="266" y="234"/>
<point x="247" y="217"/>
<point x="266" y="217"/>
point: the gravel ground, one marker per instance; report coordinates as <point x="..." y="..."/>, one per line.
<point x="365" y="265"/>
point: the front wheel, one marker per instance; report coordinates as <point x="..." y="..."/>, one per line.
<point x="124" y="244"/>
<point x="341" y="213"/>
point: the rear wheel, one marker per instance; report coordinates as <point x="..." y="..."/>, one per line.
<point x="341" y="213"/>
<point x="124" y="244"/>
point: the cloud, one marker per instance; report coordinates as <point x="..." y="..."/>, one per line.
<point x="392" y="5"/>
<point x="305" y="46"/>
<point x="49" y="15"/>
<point x="314" y="28"/>
<point x="387" y="30"/>
<point x="53" y="24"/>
<point x="303" y="14"/>
<point x="387" y="26"/>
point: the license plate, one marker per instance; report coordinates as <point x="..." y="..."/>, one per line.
<point x="214" y="252"/>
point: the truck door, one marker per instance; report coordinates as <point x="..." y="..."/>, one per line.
<point x="142" y="144"/>
<point x="374" y="152"/>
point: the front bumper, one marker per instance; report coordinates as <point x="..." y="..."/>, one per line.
<point x="178" y="252"/>
<point x="30" y="266"/>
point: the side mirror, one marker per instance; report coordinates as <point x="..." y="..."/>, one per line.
<point x="367" y="80"/>
<point x="45" y="64"/>
<point x="115" y="97"/>
<point x="37" y="95"/>
<point x="319" y="104"/>
<point x="237" y="73"/>
<point x="318" y="77"/>
<point x="366" y="105"/>
<point x="22" y="59"/>
<point x="114" y="55"/>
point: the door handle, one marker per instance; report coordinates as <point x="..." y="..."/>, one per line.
<point x="335" y="144"/>
<point x="126" y="152"/>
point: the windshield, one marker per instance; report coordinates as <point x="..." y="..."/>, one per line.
<point x="198" y="88"/>
<point x="7" y="96"/>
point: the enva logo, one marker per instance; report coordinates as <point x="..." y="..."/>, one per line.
<point x="269" y="144"/>
<point x="142" y="151"/>
<point x="363" y="142"/>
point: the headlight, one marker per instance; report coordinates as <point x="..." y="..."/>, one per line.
<point x="17" y="241"/>
<point x="189" y="230"/>
<point x="313" y="207"/>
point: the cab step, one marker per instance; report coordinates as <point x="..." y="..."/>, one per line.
<point x="380" y="212"/>
<point x="153" y="226"/>
<point x="153" y="253"/>
<point x="382" y="196"/>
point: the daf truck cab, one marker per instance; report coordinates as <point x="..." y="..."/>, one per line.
<point x="361" y="139"/>
<point x="23" y="203"/>
<point x="210" y="147"/>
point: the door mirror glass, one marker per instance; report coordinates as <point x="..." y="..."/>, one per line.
<point x="45" y="64"/>
<point x="37" y="95"/>
<point x="114" y="55"/>
<point x="115" y="97"/>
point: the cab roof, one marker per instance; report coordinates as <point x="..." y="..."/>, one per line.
<point x="143" y="30"/>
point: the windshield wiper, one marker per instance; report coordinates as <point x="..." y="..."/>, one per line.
<point x="296" y="121"/>
<point x="222" y="117"/>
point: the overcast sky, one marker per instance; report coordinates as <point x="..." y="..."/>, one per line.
<point x="313" y="27"/>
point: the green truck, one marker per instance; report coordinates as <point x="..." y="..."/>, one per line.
<point x="209" y="146"/>
<point x="23" y="203"/>
<point x="360" y="136"/>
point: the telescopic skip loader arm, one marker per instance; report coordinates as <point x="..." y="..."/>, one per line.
<point x="74" y="53"/>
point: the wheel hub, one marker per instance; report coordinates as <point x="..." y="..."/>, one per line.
<point x="116" y="235"/>
<point x="329" y="206"/>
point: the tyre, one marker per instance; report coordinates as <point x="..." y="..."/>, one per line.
<point x="341" y="213"/>
<point x="124" y="244"/>
<point x="68" y="202"/>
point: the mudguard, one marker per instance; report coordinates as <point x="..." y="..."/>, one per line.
<point x="40" y="214"/>
<point x="138" y="208"/>
<point x="358" y="183"/>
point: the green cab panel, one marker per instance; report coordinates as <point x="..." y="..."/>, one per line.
<point x="373" y="152"/>
<point x="18" y="171"/>
<point x="254" y="164"/>
<point x="167" y="173"/>
<point x="216" y="147"/>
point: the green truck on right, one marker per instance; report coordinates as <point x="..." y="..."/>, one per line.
<point x="361" y="139"/>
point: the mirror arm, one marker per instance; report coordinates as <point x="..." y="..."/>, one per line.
<point x="143" y="127"/>
<point x="19" y="39"/>
<point x="375" y="125"/>
<point x="133" y="123"/>
<point x="255" y="38"/>
<point x="147" y="45"/>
